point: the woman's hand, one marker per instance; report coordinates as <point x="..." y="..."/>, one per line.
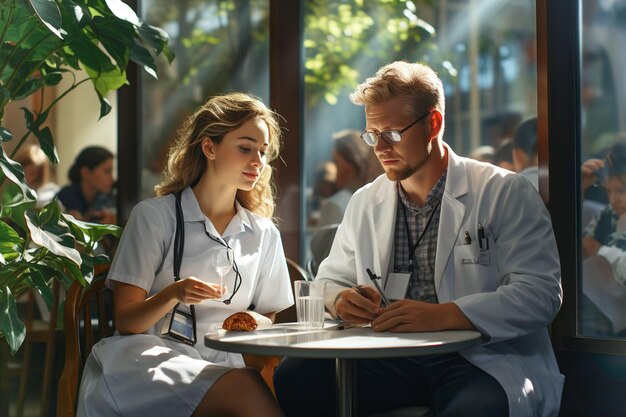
<point x="134" y="313"/>
<point x="194" y="291"/>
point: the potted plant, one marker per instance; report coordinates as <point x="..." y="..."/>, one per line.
<point x="42" y="41"/>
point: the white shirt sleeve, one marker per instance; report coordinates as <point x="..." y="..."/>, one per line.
<point x="273" y="290"/>
<point x="141" y="248"/>
<point x="617" y="259"/>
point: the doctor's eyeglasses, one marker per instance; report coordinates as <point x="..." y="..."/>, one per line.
<point x="390" y="136"/>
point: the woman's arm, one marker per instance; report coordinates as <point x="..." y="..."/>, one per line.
<point x="134" y="313"/>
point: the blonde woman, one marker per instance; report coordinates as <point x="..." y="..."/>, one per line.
<point x="218" y="176"/>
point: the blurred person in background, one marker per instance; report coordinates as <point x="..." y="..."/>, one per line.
<point x="604" y="248"/>
<point x="38" y="173"/>
<point x="90" y="195"/>
<point x="484" y="153"/>
<point x="503" y="157"/>
<point x="525" y="161"/>
<point x="355" y="167"/>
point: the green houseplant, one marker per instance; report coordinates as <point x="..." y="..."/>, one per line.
<point x="42" y="41"/>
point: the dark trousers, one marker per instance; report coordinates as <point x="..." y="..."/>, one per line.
<point x="447" y="384"/>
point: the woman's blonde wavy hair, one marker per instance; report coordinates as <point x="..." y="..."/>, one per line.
<point x="218" y="116"/>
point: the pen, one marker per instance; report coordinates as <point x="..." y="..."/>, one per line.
<point x="468" y="238"/>
<point x="481" y="236"/>
<point x="374" y="279"/>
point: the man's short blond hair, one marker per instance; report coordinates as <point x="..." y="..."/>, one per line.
<point x="415" y="81"/>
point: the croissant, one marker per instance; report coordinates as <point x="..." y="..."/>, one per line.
<point x="246" y="321"/>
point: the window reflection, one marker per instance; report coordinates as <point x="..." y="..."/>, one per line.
<point x="484" y="51"/>
<point x="221" y="46"/>
<point x="602" y="307"/>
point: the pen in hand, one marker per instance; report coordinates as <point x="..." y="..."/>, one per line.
<point x="374" y="278"/>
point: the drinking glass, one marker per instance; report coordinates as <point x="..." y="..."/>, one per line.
<point x="310" y="303"/>
<point x="222" y="259"/>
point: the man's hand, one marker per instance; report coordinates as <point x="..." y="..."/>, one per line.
<point x="418" y="316"/>
<point x="358" y="305"/>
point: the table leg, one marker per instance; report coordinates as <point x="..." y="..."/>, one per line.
<point x="346" y="387"/>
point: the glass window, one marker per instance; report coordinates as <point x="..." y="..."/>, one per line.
<point x="221" y="46"/>
<point x="483" y="51"/>
<point x="602" y="306"/>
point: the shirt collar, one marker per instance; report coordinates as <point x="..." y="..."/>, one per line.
<point x="431" y="199"/>
<point x="192" y="213"/>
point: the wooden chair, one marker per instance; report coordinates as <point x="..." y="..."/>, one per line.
<point x="86" y="320"/>
<point x="38" y="330"/>
<point x="321" y="241"/>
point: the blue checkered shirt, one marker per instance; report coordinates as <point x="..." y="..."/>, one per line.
<point x="421" y="264"/>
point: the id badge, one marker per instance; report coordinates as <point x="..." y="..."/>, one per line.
<point x="396" y="285"/>
<point x="181" y="325"/>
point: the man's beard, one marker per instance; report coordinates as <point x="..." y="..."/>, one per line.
<point x="402" y="174"/>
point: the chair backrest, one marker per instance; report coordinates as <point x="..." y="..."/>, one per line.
<point x="321" y="241"/>
<point x="87" y="319"/>
<point x="296" y="272"/>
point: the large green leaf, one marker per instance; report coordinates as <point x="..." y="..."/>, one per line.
<point x="75" y="272"/>
<point x="108" y="81"/>
<point x="140" y="55"/>
<point x="32" y="123"/>
<point x="11" y="326"/>
<point x="105" y="106"/>
<point x="54" y="236"/>
<point x="90" y="55"/>
<point x="41" y="278"/>
<point x="115" y="35"/>
<point x="47" y="146"/>
<point x="157" y="38"/>
<point x="10" y="242"/>
<point x="14" y="205"/>
<point x="44" y="135"/>
<point x="30" y="36"/>
<point x="53" y="78"/>
<point x="28" y="88"/>
<point x="123" y="11"/>
<point x="49" y="13"/>
<point x="14" y="172"/>
<point x="88" y="232"/>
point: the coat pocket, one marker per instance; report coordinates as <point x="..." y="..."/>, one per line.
<point x="475" y="270"/>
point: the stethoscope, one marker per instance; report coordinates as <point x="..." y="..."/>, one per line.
<point x="179" y="245"/>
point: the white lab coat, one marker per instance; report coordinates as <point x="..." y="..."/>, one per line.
<point x="510" y="292"/>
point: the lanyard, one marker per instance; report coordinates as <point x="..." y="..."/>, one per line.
<point x="179" y="246"/>
<point x="421" y="236"/>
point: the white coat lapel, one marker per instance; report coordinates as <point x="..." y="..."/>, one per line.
<point x="384" y="218"/>
<point x="452" y="213"/>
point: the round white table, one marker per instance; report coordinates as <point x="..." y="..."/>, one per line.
<point x="343" y="345"/>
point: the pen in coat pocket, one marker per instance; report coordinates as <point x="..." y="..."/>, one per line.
<point x="481" y="237"/>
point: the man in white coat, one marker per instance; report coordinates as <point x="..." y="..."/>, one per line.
<point x="460" y="244"/>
